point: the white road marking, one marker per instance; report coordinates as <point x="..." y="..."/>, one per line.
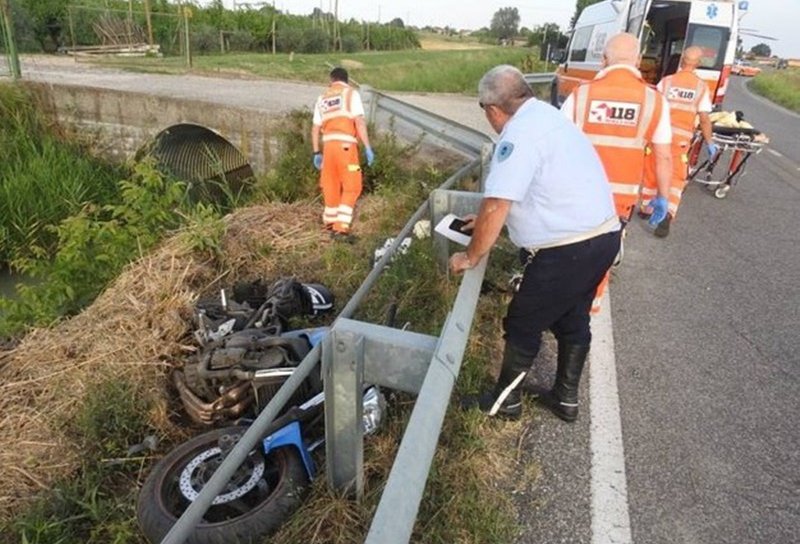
<point x="610" y="519"/>
<point x="777" y="154"/>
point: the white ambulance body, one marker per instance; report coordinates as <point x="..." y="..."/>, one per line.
<point x="664" y="28"/>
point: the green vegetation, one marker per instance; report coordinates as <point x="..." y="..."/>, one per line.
<point x="782" y="87"/>
<point x="43" y="178"/>
<point x="454" y="71"/>
<point x="94" y="245"/>
<point x="463" y="502"/>
<point x="45" y="25"/>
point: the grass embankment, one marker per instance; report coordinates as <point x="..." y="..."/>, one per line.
<point x="456" y="71"/>
<point x="43" y="178"/>
<point x="780" y="86"/>
<point x="75" y="399"/>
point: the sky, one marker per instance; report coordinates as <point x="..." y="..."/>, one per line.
<point x="775" y="18"/>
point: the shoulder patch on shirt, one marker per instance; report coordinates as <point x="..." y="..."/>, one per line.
<point x="504" y="151"/>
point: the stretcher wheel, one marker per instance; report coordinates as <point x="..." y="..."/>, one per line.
<point x="722" y="191"/>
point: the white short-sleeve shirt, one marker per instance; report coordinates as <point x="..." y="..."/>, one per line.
<point x="553" y="176"/>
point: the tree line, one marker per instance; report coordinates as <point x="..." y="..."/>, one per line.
<point x="49" y="25"/>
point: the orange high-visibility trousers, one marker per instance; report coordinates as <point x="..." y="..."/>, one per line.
<point x="680" y="169"/>
<point x="341" y="183"/>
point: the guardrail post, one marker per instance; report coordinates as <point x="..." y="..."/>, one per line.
<point x="369" y="95"/>
<point x="343" y="370"/>
<point x="443" y="202"/>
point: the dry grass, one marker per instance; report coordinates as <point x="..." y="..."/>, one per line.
<point x="135" y="330"/>
<point x="138" y="329"/>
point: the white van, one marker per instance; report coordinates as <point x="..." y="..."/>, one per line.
<point x="664" y="28"/>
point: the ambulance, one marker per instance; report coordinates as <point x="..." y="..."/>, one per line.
<point x="664" y="28"/>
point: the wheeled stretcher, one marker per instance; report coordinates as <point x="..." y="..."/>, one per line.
<point x="739" y="143"/>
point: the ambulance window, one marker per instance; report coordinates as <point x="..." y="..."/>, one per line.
<point x="580" y="44"/>
<point x="713" y="41"/>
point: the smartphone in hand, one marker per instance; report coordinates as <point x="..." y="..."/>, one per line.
<point x="457" y="225"/>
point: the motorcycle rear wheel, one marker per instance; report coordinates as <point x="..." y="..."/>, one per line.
<point x="260" y="497"/>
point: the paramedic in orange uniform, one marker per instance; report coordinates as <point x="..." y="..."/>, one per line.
<point x="688" y="98"/>
<point x="337" y="128"/>
<point x="621" y="114"/>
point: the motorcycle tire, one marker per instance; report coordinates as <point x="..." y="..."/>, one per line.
<point x="261" y="496"/>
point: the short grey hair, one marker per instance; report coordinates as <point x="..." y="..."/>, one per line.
<point x="505" y="87"/>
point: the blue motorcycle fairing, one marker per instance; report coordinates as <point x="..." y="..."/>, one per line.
<point x="313" y="335"/>
<point x="290" y="435"/>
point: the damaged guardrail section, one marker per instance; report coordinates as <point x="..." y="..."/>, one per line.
<point x="356" y="353"/>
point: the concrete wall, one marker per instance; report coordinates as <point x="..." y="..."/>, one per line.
<point x="117" y="124"/>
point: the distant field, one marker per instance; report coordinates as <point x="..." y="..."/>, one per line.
<point x="438" y="42"/>
<point x="780" y="86"/>
<point x="436" y="70"/>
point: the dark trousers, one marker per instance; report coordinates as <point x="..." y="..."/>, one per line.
<point x="556" y="292"/>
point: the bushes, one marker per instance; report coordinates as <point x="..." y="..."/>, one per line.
<point x="43" y="178"/>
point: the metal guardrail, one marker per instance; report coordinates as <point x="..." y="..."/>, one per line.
<point x="540" y="79"/>
<point x="348" y="355"/>
<point x="458" y="137"/>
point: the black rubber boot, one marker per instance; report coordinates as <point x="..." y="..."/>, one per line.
<point x="562" y="399"/>
<point x="515" y="365"/>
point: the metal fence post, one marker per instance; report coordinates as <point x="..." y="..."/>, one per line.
<point x="343" y="369"/>
<point x="439" y="208"/>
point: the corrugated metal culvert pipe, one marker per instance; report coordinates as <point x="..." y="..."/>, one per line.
<point x="214" y="168"/>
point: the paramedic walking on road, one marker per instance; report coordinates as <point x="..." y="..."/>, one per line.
<point x="621" y="114"/>
<point x="688" y="98"/>
<point x="339" y="120"/>
<point x="547" y="185"/>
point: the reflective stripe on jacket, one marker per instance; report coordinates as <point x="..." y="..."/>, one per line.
<point x="619" y="113"/>
<point x="338" y="121"/>
<point x="684" y="91"/>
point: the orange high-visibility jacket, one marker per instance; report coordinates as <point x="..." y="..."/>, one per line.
<point x="338" y="121"/>
<point x="684" y="91"/>
<point x="619" y="112"/>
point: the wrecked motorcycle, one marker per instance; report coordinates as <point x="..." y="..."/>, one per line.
<point x="263" y="493"/>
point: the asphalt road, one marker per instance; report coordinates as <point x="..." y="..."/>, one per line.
<point x="707" y="347"/>
<point x="708" y="356"/>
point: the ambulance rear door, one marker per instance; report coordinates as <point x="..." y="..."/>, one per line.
<point x="637" y="16"/>
<point x="712" y="27"/>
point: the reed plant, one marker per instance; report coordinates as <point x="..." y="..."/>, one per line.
<point x="43" y="177"/>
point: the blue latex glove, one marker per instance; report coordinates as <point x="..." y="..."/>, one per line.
<point x="712" y="149"/>
<point x="659" y="205"/>
<point x="370" y="155"/>
<point x="318" y="161"/>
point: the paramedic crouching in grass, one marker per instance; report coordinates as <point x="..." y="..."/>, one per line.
<point x="546" y="183"/>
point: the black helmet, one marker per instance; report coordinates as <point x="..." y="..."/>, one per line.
<point x="321" y="298"/>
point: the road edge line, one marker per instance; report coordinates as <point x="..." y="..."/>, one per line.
<point x="609" y="501"/>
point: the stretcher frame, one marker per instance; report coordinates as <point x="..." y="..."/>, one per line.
<point x="740" y="142"/>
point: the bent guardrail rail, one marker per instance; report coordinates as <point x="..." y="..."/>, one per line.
<point x="540" y="79"/>
<point x="354" y="353"/>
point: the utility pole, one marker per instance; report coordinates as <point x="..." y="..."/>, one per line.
<point x="337" y="41"/>
<point x="149" y="23"/>
<point x="274" y="17"/>
<point x="11" y="44"/>
<point x="187" y="12"/>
